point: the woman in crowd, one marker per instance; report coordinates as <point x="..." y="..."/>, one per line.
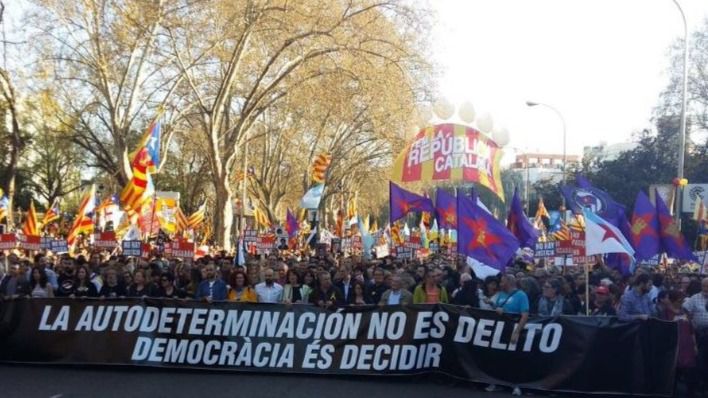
<point x="241" y="290"/>
<point x="139" y="288"/>
<point x="552" y="301"/>
<point x="468" y="293"/>
<point x="39" y="285"/>
<point x="309" y="280"/>
<point x="167" y="287"/>
<point x="83" y="287"/>
<point x="127" y="279"/>
<point x="294" y="292"/>
<point x="429" y="292"/>
<point x="359" y="297"/>
<point x="488" y="294"/>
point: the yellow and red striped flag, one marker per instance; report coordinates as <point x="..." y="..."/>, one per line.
<point x="319" y="168"/>
<point x="52" y="213"/>
<point x="261" y="217"/>
<point x="197" y="217"/>
<point x="181" y="220"/>
<point x="541" y="210"/>
<point x="31" y="226"/>
<point x="83" y="223"/>
<point x="133" y="195"/>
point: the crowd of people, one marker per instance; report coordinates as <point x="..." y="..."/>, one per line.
<point x="670" y="294"/>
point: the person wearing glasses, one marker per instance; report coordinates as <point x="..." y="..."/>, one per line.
<point x="552" y="301"/>
<point x="167" y="287"/>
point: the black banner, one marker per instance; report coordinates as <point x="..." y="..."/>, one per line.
<point x="583" y="354"/>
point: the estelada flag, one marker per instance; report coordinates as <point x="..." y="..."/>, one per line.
<point x="52" y="213"/>
<point x="451" y="152"/>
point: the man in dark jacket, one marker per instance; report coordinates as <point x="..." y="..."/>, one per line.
<point x="375" y="290"/>
<point x="327" y="295"/>
<point x="14" y="284"/>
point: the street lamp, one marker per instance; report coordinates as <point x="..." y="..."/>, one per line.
<point x="532" y="104"/>
<point x="682" y="131"/>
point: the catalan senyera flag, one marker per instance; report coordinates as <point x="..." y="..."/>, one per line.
<point x="52" y="213"/>
<point x="31" y="225"/>
<point x="181" y="220"/>
<point x="450" y="152"/>
<point x="83" y="223"/>
<point x="261" y="217"/>
<point x="197" y="217"/>
<point x="319" y="168"/>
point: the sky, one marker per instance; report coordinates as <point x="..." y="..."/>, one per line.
<point x="601" y="63"/>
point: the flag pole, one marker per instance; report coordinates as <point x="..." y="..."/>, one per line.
<point x="587" y="289"/>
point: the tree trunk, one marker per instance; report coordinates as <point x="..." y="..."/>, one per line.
<point x="223" y="213"/>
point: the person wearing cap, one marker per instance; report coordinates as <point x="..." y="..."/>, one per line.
<point x="602" y="305"/>
<point x="552" y="301"/>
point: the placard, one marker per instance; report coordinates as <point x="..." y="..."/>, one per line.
<point x="59" y="246"/>
<point x="132" y="248"/>
<point x="45" y="242"/>
<point x="8" y="241"/>
<point x="182" y="249"/>
<point x="545" y="249"/>
<point x="29" y="242"/>
<point x="105" y="240"/>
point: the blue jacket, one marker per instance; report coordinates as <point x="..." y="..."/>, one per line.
<point x="218" y="292"/>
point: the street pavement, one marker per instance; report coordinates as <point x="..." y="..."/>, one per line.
<point x="41" y="381"/>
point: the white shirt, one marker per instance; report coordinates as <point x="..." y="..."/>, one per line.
<point x="269" y="294"/>
<point x="394" y="298"/>
<point x="696" y="306"/>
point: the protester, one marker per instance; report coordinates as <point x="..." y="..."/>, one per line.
<point x="140" y="287"/>
<point x="358" y="295"/>
<point x="696" y="307"/>
<point x="377" y="288"/>
<point x="396" y="295"/>
<point x="602" y="305"/>
<point x="294" y="292"/>
<point x="167" y="287"/>
<point x="468" y="293"/>
<point x="112" y="288"/>
<point x="512" y="300"/>
<point x="269" y="291"/>
<point x="488" y="294"/>
<point x="429" y="291"/>
<point x="635" y="303"/>
<point x="344" y="283"/>
<point x="39" y="284"/>
<point x="212" y="288"/>
<point x="326" y="295"/>
<point x="82" y="286"/>
<point x="552" y="302"/>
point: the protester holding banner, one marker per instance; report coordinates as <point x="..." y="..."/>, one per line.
<point x="429" y="291"/>
<point x="140" y="287"/>
<point x="82" y="286"/>
<point x="396" y="295"/>
<point x="112" y="288"/>
<point x="696" y="307"/>
<point x="552" y="302"/>
<point x="39" y="284"/>
<point x="327" y="295"/>
<point x="212" y="288"/>
<point x="294" y="292"/>
<point x="635" y="303"/>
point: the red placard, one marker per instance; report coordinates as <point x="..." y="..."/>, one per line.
<point x="183" y="249"/>
<point x="30" y="242"/>
<point x="105" y="240"/>
<point x="8" y="241"/>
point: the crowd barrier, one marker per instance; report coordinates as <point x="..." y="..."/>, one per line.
<point x="568" y="353"/>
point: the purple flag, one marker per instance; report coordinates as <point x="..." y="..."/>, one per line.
<point x="482" y="237"/>
<point x="403" y="202"/>
<point x="644" y="232"/>
<point x="672" y="240"/>
<point x="291" y="224"/>
<point x="445" y="209"/>
<point x="519" y="224"/>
